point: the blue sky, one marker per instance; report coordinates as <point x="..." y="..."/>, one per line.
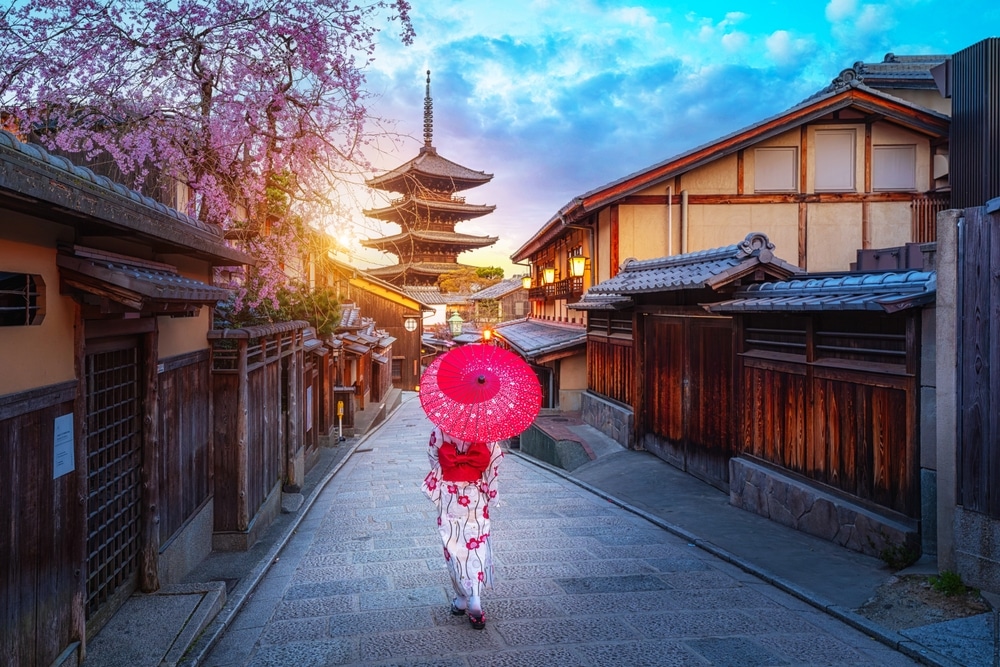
<point x="556" y="98"/>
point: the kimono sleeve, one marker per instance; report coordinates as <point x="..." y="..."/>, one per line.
<point x="492" y="474"/>
<point x="432" y="482"/>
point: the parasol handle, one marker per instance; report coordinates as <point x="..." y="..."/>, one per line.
<point x="481" y="379"/>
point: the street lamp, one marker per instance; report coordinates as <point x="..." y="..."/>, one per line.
<point x="577" y="265"/>
<point x="548" y="275"/>
<point x="526" y="282"/>
<point x="455" y="324"/>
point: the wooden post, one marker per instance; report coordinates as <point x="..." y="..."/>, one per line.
<point x="293" y="436"/>
<point x="242" y="434"/>
<point x="149" y="577"/>
<point x="78" y="540"/>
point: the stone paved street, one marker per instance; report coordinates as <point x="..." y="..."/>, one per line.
<point x="581" y="581"/>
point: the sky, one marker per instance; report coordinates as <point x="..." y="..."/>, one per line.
<point x="557" y="98"/>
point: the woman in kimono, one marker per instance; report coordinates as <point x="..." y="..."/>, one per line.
<point x="463" y="484"/>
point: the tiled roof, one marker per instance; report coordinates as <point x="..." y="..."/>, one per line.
<point x="410" y="204"/>
<point x="436" y="237"/>
<point x="499" y="290"/>
<point x="135" y="285"/>
<point x="466" y="338"/>
<point x="350" y="316"/>
<point x="889" y="292"/>
<point x="706" y="268"/>
<point x="601" y="302"/>
<point x="433" y="296"/>
<point x="893" y="72"/>
<point x="533" y="338"/>
<point x="429" y="163"/>
<point x="422" y="268"/>
<point x="139" y="214"/>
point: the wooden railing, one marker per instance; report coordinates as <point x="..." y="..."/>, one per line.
<point x="924" y="216"/>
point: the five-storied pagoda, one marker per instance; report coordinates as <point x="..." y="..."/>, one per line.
<point x="427" y="211"/>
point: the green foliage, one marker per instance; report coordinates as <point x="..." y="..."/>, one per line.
<point x="949" y="583"/>
<point x="295" y="301"/>
<point x="467" y="280"/>
<point x="493" y="273"/>
<point x="319" y="306"/>
<point x="897" y="556"/>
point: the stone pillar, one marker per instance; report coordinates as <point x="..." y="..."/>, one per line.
<point x="946" y="330"/>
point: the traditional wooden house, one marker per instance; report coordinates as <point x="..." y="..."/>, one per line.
<point x="506" y="300"/>
<point x="105" y="428"/>
<point x="861" y="164"/>
<point x="555" y="351"/>
<point x="395" y="314"/>
<point x="828" y="404"/>
<point x="659" y="369"/>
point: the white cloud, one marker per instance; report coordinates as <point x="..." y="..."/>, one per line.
<point x="839" y="10"/>
<point x="784" y="49"/>
<point x="735" y="42"/>
<point x="634" y="16"/>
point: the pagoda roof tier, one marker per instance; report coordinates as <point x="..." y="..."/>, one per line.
<point x="430" y="238"/>
<point x="431" y="171"/>
<point x="406" y="209"/>
<point x="416" y="273"/>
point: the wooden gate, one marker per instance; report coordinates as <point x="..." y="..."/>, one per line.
<point x="687" y="404"/>
<point x="979" y="364"/>
<point x="114" y="460"/>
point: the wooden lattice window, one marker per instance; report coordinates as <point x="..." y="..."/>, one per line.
<point x="22" y="299"/>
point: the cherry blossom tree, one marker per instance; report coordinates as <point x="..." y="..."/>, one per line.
<point x="257" y="106"/>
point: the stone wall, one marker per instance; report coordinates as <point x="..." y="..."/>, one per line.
<point x="799" y="505"/>
<point x="977" y="549"/>
<point x="613" y="420"/>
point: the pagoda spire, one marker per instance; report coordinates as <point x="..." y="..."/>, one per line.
<point x="428" y="115"/>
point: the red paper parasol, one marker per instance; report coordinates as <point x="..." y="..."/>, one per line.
<point x="480" y="393"/>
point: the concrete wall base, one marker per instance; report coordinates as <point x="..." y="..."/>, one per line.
<point x="565" y="454"/>
<point x="613" y="420"/>
<point x="242" y="540"/>
<point x="799" y="505"/>
<point x="191" y="545"/>
<point x="977" y="549"/>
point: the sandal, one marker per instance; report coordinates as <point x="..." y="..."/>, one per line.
<point x="455" y="610"/>
<point x="478" y="622"/>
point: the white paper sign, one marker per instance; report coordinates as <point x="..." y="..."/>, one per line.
<point x="309" y="408"/>
<point x="63" y="458"/>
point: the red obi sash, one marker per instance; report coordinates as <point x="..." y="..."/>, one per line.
<point x="466" y="466"/>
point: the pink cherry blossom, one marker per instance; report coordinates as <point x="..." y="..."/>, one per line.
<point x="254" y="108"/>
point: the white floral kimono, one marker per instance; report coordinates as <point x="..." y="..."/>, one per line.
<point x="464" y="516"/>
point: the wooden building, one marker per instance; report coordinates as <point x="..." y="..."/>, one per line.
<point x="504" y="301"/>
<point x="660" y="369"/>
<point x="395" y="314"/>
<point x="105" y="430"/>
<point x="861" y="164"/>
<point x="829" y="405"/>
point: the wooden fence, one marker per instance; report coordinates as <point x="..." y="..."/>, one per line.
<point x="256" y="382"/>
<point x="834" y="398"/>
<point x="41" y="588"/>
<point x="185" y="440"/>
<point x="979" y="363"/>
